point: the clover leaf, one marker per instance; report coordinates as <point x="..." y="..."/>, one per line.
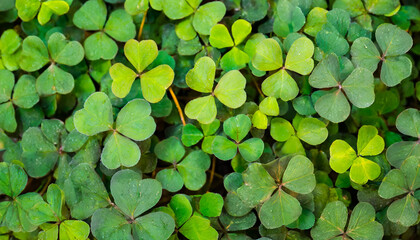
<point x="229" y="90"/>
<point x="189" y="171"/>
<point x="24" y="96"/>
<point x="220" y="37"/>
<point x="269" y="57"/>
<point x="10" y="46"/>
<point x="28" y="9"/>
<point x="333" y="222"/>
<point x="153" y="83"/>
<point x="125" y="221"/>
<point x="310" y="130"/>
<point x="84" y="191"/>
<point x="343" y="157"/>
<point x="393" y="43"/>
<point x="92" y="16"/>
<point x="237" y="128"/>
<point x="22" y="212"/>
<point x="133" y="121"/>
<point x="60" y="51"/>
<point x="262" y="187"/>
<point x="408" y="122"/>
<point x="358" y="88"/>
<point x="289" y="18"/>
<point x="191" y="135"/>
<point x="331" y="38"/>
<point x="196" y="18"/>
<point x="402" y="184"/>
<point x="66" y="229"/>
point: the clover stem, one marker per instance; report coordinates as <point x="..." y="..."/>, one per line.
<point x="213" y="166"/>
<point x="258" y="88"/>
<point x="181" y="115"/>
<point x="142" y="25"/>
<point x="44" y="189"/>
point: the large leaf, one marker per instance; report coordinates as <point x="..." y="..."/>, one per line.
<point x="268" y="55"/>
<point x="193" y="169"/>
<point x="333" y="106"/>
<point x="280" y="85"/>
<point x="207" y="16"/>
<point x="201" y="77"/>
<point x="408" y="122"/>
<point x="299" y="58"/>
<point x="359" y="88"/>
<point x="13" y="179"/>
<point x="203" y="109"/>
<point x="91" y="16"/>
<point x="369" y="143"/>
<point x="133" y="195"/>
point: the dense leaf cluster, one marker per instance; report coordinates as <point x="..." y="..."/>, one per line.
<point x="202" y="120"/>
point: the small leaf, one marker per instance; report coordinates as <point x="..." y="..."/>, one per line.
<point x="155" y="225"/>
<point x="7" y="81"/>
<point x="201" y="77"/>
<point x="34" y="54"/>
<point x="359" y="88"/>
<point x="299" y="175"/>
<point x="133" y="195"/>
<point x="155" y="82"/>
<point x="333" y="106"/>
<point x="240" y="30"/>
<point x="369" y="143"/>
<point x="13" y="179"/>
<point x="208" y="15"/>
<point x="342" y="156"/>
<point x="140" y="54"/>
<point x="191" y="135"/>
<point x="220" y="37"/>
<point x="113" y="27"/>
<point x="203" y="109"/>
<point x="280" y="85"/>
<point x="193" y="169"/>
<point x="363" y="170"/>
<point x="408" y="122"/>
<point x="332" y="221"/>
<point x="223" y="148"/>
<point x="96" y="116"/>
<point x="237" y="127"/>
<point x="134" y="120"/>
<point x="211" y="204"/>
<point x="299" y="58"/>
<point x="312" y="131"/>
<point x="65" y="52"/>
<point x="119" y="151"/>
<point x="392" y="40"/>
<point x="74" y="230"/>
<point x="24" y="94"/>
<point x="251" y="149"/>
<point x="91" y="16"/>
<point x="123" y="78"/>
<point x="170" y="150"/>
<point x="281" y="129"/>
<point x="268" y="55"/>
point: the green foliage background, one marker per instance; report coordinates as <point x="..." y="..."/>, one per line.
<point x="195" y="119"/>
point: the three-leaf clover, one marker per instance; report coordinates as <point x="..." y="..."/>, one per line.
<point x="343" y="157"/>
<point x="20" y="213"/>
<point x="357" y="87"/>
<point x="310" y="130"/>
<point x="133" y="196"/>
<point x="189" y="171"/>
<point x="153" y="83"/>
<point x="220" y="37"/>
<point x="333" y="223"/>
<point x="269" y="57"/>
<point x="36" y="55"/>
<point x="92" y="16"/>
<point x="393" y="43"/>
<point x="408" y="123"/>
<point x="281" y="177"/>
<point x="237" y="128"/>
<point x="133" y="122"/>
<point x="229" y="90"/>
<point x="403" y="184"/>
<point x="24" y="96"/>
<point x="66" y="229"/>
<point x="28" y="9"/>
<point x="198" y="19"/>
<point x="192" y="224"/>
